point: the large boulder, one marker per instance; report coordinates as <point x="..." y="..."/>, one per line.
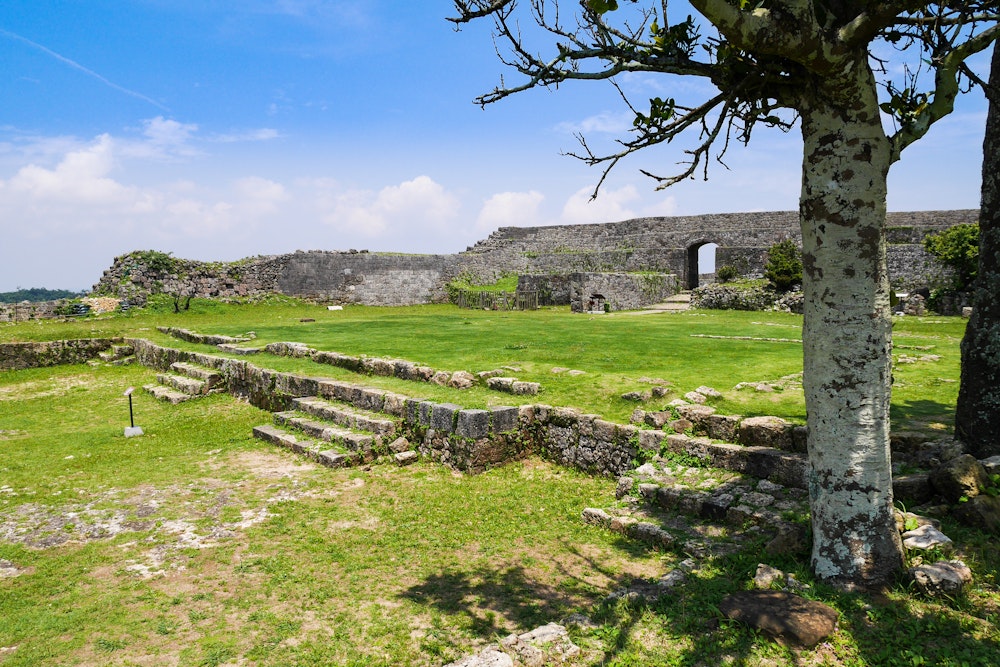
<point x="960" y="477"/>
<point x="789" y="618"/>
<point x="982" y="512"/>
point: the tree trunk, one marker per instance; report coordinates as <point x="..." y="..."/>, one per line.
<point x="847" y="333"/>
<point x="977" y="416"/>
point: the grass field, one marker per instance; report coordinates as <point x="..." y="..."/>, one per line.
<point x="197" y="545"/>
<point x="715" y="348"/>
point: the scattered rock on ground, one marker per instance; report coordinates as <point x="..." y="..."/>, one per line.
<point x="962" y="476"/>
<point x="400" y="445"/>
<point x="788" y="618"/>
<point x="982" y="512"/>
<point x="658" y="419"/>
<point x="941" y="578"/>
<point x="406" y="458"/>
<point x="926" y="537"/>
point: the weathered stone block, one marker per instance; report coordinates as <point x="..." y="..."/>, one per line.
<point x="504" y="384"/>
<point x="411" y="411"/>
<point x="443" y="417"/>
<point x="520" y="388"/>
<point x="504" y="419"/>
<point x="462" y="380"/>
<point x="962" y="476"/>
<point x="394" y="404"/>
<point x="651" y="441"/>
<point x="785" y="616"/>
<point x="371" y="399"/>
<point x="765" y="432"/>
<point x="604" y="430"/>
<point x="696" y="414"/>
<point x="426" y="412"/>
<point x="722" y="427"/>
<point x="473" y="424"/>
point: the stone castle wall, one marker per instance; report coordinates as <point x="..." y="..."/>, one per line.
<point x="659" y="245"/>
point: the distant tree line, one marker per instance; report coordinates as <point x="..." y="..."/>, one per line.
<point x="35" y="294"/>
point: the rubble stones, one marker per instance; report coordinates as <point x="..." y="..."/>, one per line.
<point x="941" y="578"/>
<point x="962" y="476"/>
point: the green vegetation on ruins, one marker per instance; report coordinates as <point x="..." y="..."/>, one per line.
<point x="198" y="545"/>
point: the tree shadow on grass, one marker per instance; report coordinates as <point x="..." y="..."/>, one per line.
<point x="918" y="415"/>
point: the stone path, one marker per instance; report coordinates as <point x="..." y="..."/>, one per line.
<point x="678" y="303"/>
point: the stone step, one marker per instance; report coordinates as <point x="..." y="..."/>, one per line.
<point x="672" y="506"/>
<point x="211" y="377"/>
<point x="162" y="393"/>
<point x="718" y="494"/>
<point x="183" y="384"/>
<point x="319" y="452"/>
<point x="347" y="417"/>
<point x="117" y="353"/>
<point x="362" y="443"/>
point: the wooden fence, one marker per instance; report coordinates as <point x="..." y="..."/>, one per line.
<point x="498" y="300"/>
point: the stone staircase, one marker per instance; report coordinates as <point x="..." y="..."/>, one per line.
<point x="118" y="355"/>
<point x="334" y="434"/>
<point x="187" y="381"/>
<point x="673" y="503"/>
<point x="676" y="304"/>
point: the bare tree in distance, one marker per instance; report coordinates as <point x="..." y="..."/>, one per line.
<point x="781" y="63"/>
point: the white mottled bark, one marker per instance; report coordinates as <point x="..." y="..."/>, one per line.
<point x="847" y="333"/>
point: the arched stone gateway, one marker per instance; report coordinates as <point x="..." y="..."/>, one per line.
<point x="701" y="256"/>
<point x="548" y="255"/>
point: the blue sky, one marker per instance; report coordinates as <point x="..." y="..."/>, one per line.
<point x="220" y="129"/>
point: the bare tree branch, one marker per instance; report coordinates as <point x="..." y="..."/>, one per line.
<point x="948" y="68"/>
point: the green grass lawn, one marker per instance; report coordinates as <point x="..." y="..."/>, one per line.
<point x="197" y="545"/>
<point x="616" y="352"/>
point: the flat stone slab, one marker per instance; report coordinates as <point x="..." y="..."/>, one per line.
<point x="787" y="617"/>
<point x="925" y="537"/>
<point x="163" y="393"/>
<point x="941" y="578"/>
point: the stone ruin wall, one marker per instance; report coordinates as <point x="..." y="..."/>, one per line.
<point x="659" y="245"/>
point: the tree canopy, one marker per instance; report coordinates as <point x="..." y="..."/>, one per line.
<point x="826" y="66"/>
<point x="762" y="58"/>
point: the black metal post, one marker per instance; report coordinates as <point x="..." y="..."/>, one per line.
<point x="131" y="421"/>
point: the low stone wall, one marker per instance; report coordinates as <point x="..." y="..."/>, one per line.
<point x="620" y="291"/>
<point x="19" y="356"/>
<point x="26" y="311"/>
<point x="405" y="370"/>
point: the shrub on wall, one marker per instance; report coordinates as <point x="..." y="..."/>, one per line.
<point x="727" y="273"/>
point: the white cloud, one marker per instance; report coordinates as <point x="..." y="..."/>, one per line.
<point x="260" y="134"/>
<point x="81" y="177"/>
<point x="394" y="208"/>
<point x="510" y="209"/>
<point x="606" y="122"/>
<point x="610" y="206"/>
